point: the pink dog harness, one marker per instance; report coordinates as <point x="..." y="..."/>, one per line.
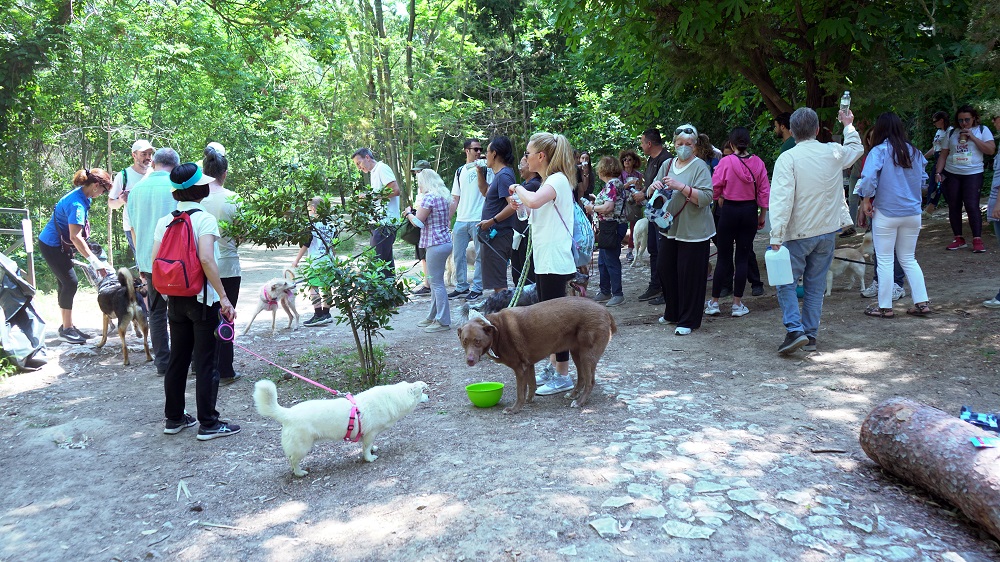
<point x="272" y="304"/>
<point x="355" y="420"/>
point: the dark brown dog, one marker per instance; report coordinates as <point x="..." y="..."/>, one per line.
<point x="522" y="336"/>
<point x="117" y="299"/>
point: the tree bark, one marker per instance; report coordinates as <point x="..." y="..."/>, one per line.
<point x="930" y="449"/>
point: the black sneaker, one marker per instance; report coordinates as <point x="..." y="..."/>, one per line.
<point x="171" y="427"/>
<point x="423" y="290"/>
<point x="318" y="319"/>
<point x="658" y="301"/>
<point x="230" y="380"/>
<point x="793" y="341"/>
<point x="757" y="290"/>
<point x="221" y="429"/>
<point x="473" y="296"/>
<point x="650" y="293"/>
<point x="88" y="335"/>
<point x="811" y="346"/>
<point x="457" y="293"/>
<point x="69" y="335"/>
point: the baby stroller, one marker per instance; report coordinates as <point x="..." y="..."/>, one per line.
<point x="24" y="345"/>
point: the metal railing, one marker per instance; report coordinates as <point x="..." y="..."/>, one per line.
<point x="25" y="239"/>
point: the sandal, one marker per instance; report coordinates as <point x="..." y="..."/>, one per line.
<point x="874" y="310"/>
<point x="920" y="309"/>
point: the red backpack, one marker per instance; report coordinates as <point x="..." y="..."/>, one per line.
<point x="176" y="269"/>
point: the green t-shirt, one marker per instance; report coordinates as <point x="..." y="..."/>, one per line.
<point x="789" y="143"/>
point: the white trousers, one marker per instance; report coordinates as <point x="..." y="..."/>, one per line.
<point x="897" y="235"/>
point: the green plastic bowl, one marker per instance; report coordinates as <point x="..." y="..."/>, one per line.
<point x="485" y="394"/>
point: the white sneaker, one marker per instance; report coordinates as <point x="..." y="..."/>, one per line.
<point x="711" y="308"/>
<point x="681" y="331"/>
<point x="547" y="374"/>
<point x="897" y="292"/>
<point x="663" y="320"/>
<point x="555" y="385"/>
<point x="740" y="310"/>
<point x="992" y="303"/>
<point x="871" y="291"/>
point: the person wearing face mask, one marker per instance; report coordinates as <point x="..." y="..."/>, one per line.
<point x="682" y="264"/>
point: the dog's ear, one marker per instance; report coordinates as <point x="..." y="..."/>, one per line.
<point x="492" y="331"/>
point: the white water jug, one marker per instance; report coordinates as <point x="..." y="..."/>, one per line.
<point x="779" y="266"/>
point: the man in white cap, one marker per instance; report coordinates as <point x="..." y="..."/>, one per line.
<point x="142" y="157"/>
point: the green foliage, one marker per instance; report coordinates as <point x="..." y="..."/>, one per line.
<point x="337" y="369"/>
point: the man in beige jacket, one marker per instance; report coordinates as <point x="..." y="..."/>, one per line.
<point x="807" y="210"/>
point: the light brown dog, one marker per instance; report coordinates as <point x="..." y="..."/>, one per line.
<point x="280" y="290"/>
<point x="522" y="336"/>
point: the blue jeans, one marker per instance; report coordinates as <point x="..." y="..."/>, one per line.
<point x="460" y="237"/>
<point x="811" y="258"/>
<point x="609" y="263"/>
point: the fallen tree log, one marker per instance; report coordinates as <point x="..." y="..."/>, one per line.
<point x="931" y="449"/>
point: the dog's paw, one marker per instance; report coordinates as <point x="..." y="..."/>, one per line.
<point x="370" y="457"/>
<point x="300" y="472"/>
<point x="574" y="404"/>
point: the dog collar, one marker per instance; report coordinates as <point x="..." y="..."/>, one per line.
<point x="264" y="297"/>
<point x="353" y="421"/>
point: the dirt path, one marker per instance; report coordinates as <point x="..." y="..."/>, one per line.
<point x="690" y="449"/>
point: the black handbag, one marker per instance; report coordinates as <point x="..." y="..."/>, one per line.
<point x="607" y="235"/>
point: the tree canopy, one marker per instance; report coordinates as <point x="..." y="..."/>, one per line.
<point x="292" y="88"/>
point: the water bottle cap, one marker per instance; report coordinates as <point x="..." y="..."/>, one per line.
<point x="847" y="92"/>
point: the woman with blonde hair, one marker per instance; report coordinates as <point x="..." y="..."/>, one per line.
<point x="551" y="224"/>
<point x="65" y="234"/>
<point x="435" y="237"/>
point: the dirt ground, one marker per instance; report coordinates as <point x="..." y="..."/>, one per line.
<point x="690" y="449"/>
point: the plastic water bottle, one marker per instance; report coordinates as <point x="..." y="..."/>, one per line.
<point x="779" y="266"/>
<point x="845" y="101"/>
<point x="522" y="211"/>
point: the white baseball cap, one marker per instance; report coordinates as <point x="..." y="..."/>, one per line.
<point x="141" y="145"/>
<point x="217" y="147"/>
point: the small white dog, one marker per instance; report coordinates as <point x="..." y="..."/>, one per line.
<point x="639" y="239"/>
<point x="277" y="291"/>
<point x="841" y="266"/>
<point x="379" y="408"/>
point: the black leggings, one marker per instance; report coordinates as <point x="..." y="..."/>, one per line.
<point x="62" y="267"/>
<point x="737" y="226"/>
<point x="552" y="286"/>
<point x="961" y="189"/>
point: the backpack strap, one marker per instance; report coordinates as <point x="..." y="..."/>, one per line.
<point x="124" y="178"/>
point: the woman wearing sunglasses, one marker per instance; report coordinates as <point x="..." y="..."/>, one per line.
<point x="682" y="264"/>
<point x="960" y="169"/>
<point x="65" y="234"/>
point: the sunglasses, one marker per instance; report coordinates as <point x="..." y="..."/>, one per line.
<point x="684" y="130"/>
<point x="965" y="120"/>
<point x="476" y="148"/>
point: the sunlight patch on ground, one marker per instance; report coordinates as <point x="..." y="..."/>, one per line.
<point x="863" y="361"/>
<point x="837" y="414"/>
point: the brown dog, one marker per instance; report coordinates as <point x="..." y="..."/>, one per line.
<point x="522" y="336"/>
<point x="116" y="297"/>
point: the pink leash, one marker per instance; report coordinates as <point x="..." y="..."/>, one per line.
<point x="226" y="332"/>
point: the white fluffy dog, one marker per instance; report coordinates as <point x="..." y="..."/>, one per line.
<point x="639" y="239"/>
<point x="320" y="420"/>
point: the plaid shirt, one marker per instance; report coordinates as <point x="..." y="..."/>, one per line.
<point x="435" y="231"/>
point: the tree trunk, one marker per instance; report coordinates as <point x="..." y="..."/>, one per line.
<point x="929" y="448"/>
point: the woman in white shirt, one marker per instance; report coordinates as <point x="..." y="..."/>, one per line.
<point x="961" y="162"/>
<point x="551" y="223"/>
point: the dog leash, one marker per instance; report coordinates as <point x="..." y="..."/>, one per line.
<point x="227" y="332"/>
<point x="853" y="261"/>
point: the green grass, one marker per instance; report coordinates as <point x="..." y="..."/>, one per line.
<point x="337" y="369"/>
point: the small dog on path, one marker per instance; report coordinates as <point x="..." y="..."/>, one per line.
<point x="116" y="296"/>
<point x="280" y="290"/>
<point x="378" y="409"/>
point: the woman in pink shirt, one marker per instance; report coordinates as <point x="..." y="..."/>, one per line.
<point x="741" y="190"/>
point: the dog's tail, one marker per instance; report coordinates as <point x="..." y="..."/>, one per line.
<point x="125" y="280"/>
<point x="265" y="396"/>
<point x="614" y="327"/>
